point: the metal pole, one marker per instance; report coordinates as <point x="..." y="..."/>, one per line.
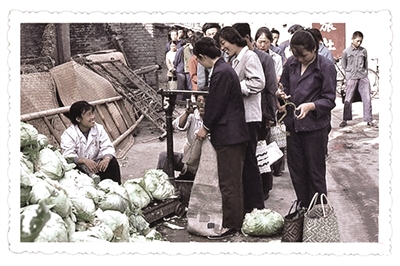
<point x="170" y="97"/>
<point x="170" y="139"/>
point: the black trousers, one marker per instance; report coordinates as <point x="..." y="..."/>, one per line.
<point x="306" y="162"/>
<point x="230" y="161"/>
<point x="112" y="172"/>
<point x="252" y="184"/>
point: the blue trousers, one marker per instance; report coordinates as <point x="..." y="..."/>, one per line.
<point x="364" y="90"/>
<point x="184" y="83"/>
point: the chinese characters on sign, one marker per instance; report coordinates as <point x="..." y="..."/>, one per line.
<point x="334" y="36"/>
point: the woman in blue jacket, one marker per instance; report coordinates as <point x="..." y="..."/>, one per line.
<point x="309" y="81"/>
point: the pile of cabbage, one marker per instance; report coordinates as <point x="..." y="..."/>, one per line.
<point x="61" y="204"/>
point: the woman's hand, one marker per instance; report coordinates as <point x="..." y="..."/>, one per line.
<point x="304" y="108"/>
<point x="280" y="94"/>
<point x="91" y="165"/>
<point x="103" y="164"/>
<point x="201" y="134"/>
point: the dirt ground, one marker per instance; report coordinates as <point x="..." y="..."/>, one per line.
<point x="352" y="176"/>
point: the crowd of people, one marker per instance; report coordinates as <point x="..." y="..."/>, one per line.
<point x="249" y="81"/>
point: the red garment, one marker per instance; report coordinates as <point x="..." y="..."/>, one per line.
<point x="192" y="64"/>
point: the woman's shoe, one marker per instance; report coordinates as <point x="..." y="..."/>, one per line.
<point x="277" y="173"/>
<point x="266" y="196"/>
<point x="226" y="233"/>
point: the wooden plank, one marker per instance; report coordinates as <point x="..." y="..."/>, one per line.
<point x="60" y="110"/>
<point x="129" y="131"/>
<point x="51" y="129"/>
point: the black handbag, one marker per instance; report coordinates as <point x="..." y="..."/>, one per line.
<point x="293" y="223"/>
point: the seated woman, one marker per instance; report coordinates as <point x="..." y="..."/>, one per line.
<point x="88" y="144"/>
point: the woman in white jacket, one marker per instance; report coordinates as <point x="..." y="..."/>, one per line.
<point x="247" y="66"/>
<point x="88" y="145"/>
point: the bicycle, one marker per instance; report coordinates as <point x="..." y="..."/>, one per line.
<point x="373" y="76"/>
<point x="340" y="79"/>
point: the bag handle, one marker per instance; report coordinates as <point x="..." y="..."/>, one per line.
<point x="313" y="201"/>
<point x="291" y="207"/>
<point x="295" y="203"/>
<point x="279" y="121"/>
<point x="327" y="203"/>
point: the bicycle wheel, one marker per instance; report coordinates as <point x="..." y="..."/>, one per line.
<point x="340" y="82"/>
<point x="374" y="82"/>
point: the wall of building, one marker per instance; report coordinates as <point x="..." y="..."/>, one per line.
<point x="143" y="44"/>
<point x="89" y="37"/>
<point x="31" y="39"/>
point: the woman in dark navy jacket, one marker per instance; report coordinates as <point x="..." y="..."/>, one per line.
<point x="309" y="81"/>
<point x="224" y="119"/>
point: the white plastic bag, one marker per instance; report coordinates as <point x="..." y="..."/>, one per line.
<point x="267" y="155"/>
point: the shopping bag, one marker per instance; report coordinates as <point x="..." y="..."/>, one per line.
<point x="192" y="157"/>
<point x="273" y="152"/>
<point x="262" y="157"/>
<point x="278" y="134"/>
<point x="172" y="85"/>
<point x="204" y="214"/>
<point x="293" y="223"/>
<point x="267" y="155"/>
<point x="320" y="222"/>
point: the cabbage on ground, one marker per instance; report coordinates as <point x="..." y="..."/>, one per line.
<point x="265" y="222"/>
<point x="156" y="182"/>
<point x="137" y="194"/>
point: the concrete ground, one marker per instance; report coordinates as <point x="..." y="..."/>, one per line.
<point x="352" y="177"/>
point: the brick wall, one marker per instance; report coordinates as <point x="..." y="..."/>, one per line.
<point x="89" y="37"/>
<point x="143" y="44"/>
<point x="31" y="39"/>
<point x="138" y="44"/>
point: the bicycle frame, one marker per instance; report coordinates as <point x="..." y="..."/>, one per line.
<point x="373" y="76"/>
<point x="340" y="79"/>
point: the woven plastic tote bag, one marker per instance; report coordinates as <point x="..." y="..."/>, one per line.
<point x="320" y="222"/>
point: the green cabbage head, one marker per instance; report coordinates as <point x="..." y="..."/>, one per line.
<point x="265" y="222"/>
